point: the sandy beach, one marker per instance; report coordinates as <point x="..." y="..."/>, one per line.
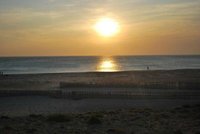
<point x="161" y="79"/>
<point x="130" y="83"/>
<point x="145" y="100"/>
<point x="180" y="120"/>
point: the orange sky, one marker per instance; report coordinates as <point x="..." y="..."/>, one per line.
<point x="61" y="28"/>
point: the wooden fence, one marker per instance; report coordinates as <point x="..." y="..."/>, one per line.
<point x="126" y="93"/>
<point x="133" y="90"/>
<point x="147" y="85"/>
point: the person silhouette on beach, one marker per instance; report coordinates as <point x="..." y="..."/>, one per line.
<point x="147" y="67"/>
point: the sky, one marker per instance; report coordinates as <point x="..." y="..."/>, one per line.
<point x="65" y="27"/>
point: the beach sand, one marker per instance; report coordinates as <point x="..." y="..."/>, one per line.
<point x="179" y="82"/>
<point x="184" y="79"/>
<point x="179" y="120"/>
<point x="28" y="106"/>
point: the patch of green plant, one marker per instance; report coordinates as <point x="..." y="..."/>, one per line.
<point x="186" y="106"/>
<point x="35" y="115"/>
<point x="59" y="118"/>
<point x="178" y="132"/>
<point x="116" y="131"/>
<point x="94" y="120"/>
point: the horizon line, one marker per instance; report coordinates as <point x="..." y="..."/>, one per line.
<point x="99" y="55"/>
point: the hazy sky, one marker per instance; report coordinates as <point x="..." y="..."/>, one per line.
<point x="65" y="27"/>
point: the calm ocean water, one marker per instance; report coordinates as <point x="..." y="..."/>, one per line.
<point x="24" y="65"/>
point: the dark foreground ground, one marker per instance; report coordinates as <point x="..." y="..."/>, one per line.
<point x="180" y="120"/>
<point x="23" y="112"/>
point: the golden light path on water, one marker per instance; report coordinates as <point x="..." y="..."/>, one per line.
<point x="107" y="64"/>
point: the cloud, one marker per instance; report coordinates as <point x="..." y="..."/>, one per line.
<point x="52" y="21"/>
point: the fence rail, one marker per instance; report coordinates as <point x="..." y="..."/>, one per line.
<point x="105" y="92"/>
<point x="149" y="85"/>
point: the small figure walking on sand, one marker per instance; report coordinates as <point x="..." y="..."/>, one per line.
<point x="147" y="67"/>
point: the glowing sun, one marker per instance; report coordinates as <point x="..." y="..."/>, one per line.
<point x="107" y="27"/>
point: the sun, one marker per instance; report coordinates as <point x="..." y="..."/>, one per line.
<point x="107" y="27"/>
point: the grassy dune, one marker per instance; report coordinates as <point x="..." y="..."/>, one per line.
<point x="180" y="120"/>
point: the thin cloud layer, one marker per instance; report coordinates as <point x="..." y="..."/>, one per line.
<point x="60" y="27"/>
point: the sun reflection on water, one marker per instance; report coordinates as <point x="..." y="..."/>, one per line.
<point x="107" y="65"/>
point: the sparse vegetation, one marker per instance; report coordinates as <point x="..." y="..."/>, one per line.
<point x="59" y="118"/>
<point x="94" y="119"/>
<point x="186" y="106"/>
<point x="5" y="117"/>
<point x="7" y="129"/>
<point x="178" y="132"/>
<point x="107" y="122"/>
<point x="35" y="115"/>
<point x="116" y="131"/>
<point x="31" y="130"/>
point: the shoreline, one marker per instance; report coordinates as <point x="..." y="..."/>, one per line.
<point x="102" y="72"/>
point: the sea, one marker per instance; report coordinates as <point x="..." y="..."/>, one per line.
<point x="64" y="64"/>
